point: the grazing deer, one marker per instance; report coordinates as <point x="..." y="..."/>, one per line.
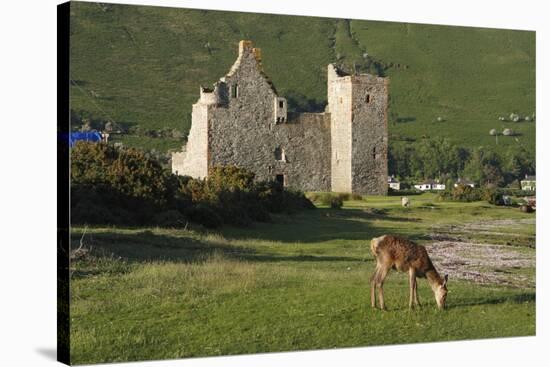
<point x="398" y="253"/>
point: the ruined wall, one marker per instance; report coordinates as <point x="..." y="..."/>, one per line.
<point x="245" y="132"/>
<point x="193" y="160"/>
<point x="306" y="143"/>
<point x="242" y="121"/>
<point x="369" y="165"/>
<point x="339" y="104"/>
<point x="358" y="104"/>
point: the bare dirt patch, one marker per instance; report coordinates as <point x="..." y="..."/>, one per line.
<point x="455" y="252"/>
<point x="483" y="263"/>
<point x="506" y="232"/>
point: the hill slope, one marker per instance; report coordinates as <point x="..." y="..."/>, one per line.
<point x="143" y="66"/>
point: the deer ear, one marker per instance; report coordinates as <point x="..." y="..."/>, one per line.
<point x="446" y="278"/>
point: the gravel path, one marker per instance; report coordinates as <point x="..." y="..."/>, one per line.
<point x="483" y="263"/>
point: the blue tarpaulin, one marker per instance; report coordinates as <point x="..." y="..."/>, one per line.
<point x="86" y="136"/>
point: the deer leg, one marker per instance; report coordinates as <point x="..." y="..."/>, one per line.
<point x="412" y="285"/>
<point x="380" y="284"/>
<point x="373" y="287"/>
<point x="416" y="301"/>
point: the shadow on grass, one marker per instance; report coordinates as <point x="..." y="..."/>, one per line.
<point x="281" y="258"/>
<point x="322" y="225"/>
<point x="517" y="298"/>
<point x="429" y="305"/>
<point x="143" y="246"/>
<point x="309" y="227"/>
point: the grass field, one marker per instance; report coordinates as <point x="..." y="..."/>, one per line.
<point x="142" y="65"/>
<point x="300" y="282"/>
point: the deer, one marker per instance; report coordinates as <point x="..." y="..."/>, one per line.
<point x="393" y="252"/>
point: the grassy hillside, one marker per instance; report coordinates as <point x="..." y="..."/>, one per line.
<point x="143" y="66"/>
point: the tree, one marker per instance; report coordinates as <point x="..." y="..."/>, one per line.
<point x="484" y="167"/>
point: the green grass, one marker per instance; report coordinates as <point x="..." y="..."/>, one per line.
<point x="143" y="65"/>
<point x="300" y="282"/>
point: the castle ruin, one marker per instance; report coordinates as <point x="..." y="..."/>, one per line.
<point x="243" y="121"/>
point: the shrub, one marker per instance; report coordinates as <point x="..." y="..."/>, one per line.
<point x="169" y="218"/>
<point x="91" y="213"/>
<point x="277" y="199"/>
<point x="313" y="196"/>
<point x="296" y="200"/>
<point x="332" y="200"/>
<point x="117" y="186"/>
<point x="336" y="202"/>
<point x="230" y="178"/>
<point x="205" y="215"/>
<point x="325" y="198"/>
<point x="130" y="187"/>
<point x="463" y="193"/>
<point x="343" y="196"/>
<point x="492" y="196"/>
<point x="233" y="194"/>
<point x="515" y="192"/>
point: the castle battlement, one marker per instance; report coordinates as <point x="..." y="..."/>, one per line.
<point x="243" y="121"/>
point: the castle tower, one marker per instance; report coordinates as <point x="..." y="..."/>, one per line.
<point x="359" y="138"/>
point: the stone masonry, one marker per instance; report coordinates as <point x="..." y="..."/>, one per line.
<point x="242" y="121"/>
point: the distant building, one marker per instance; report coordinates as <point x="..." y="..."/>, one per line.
<point x="430" y="185"/>
<point x="423" y="186"/>
<point x="393" y="183"/>
<point x="529" y="183"/>
<point x="465" y="182"/>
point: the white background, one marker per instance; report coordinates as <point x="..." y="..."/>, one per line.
<point x="28" y="182"/>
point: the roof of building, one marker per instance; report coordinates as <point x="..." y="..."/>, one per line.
<point x="530" y="178"/>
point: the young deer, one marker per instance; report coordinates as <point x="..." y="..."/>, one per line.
<point x="403" y="255"/>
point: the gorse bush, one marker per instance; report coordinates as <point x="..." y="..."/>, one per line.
<point x="332" y="200"/>
<point x="116" y="186"/>
<point x="492" y="196"/>
<point x="467" y="193"/>
<point x="462" y="193"/>
<point x="169" y="218"/>
<point x="238" y="199"/>
<point x="336" y="202"/>
<point x="129" y="187"/>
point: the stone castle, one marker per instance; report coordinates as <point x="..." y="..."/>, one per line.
<point x="243" y="121"/>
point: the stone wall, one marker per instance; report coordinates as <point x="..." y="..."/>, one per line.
<point x="193" y="160"/>
<point x="306" y="143"/>
<point x="357" y="104"/>
<point x="369" y="165"/>
<point x="244" y="132"/>
<point x="339" y="104"/>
